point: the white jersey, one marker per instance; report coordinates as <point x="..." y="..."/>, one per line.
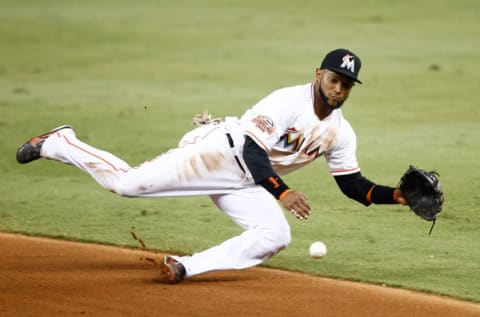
<point x="285" y="125"/>
<point x="209" y="161"/>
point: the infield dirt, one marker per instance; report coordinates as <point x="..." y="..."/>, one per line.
<point x="47" y="277"/>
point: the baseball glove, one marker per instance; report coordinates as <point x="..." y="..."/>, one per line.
<point x="204" y="119"/>
<point x="423" y="192"/>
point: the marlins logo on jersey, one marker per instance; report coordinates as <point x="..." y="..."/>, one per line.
<point x="292" y="140"/>
<point x="295" y="141"/>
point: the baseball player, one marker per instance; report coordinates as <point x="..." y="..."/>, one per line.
<point x="239" y="162"/>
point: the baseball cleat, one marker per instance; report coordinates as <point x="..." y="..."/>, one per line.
<point x="172" y="271"/>
<point x="30" y="150"/>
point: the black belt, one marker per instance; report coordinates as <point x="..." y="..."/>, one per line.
<point x="232" y="145"/>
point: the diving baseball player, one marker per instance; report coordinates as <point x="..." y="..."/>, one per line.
<point x="239" y="163"/>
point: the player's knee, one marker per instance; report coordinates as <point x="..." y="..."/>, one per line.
<point x="284" y="237"/>
<point x="122" y="191"/>
<point x="125" y="187"/>
<point x="277" y="238"/>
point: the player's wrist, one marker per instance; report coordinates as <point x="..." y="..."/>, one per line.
<point x="383" y="195"/>
<point x="398" y="196"/>
<point x="280" y="197"/>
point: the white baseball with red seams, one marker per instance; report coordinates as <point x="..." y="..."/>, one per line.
<point x="283" y="124"/>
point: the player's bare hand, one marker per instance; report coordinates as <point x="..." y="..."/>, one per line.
<point x="297" y="204"/>
<point x="398" y="196"/>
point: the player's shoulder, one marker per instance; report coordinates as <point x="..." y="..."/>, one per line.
<point x="344" y="128"/>
<point x="339" y="118"/>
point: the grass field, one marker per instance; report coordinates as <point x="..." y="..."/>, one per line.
<point x="130" y="75"/>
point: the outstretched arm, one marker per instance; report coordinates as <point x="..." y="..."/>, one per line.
<point x="359" y="188"/>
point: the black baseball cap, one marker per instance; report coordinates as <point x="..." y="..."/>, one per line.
<point x="343" y="61"/>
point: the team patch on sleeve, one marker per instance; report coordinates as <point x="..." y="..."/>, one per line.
<point x="264" y="124"/>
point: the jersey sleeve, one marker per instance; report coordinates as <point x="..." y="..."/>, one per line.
<point x="268" y="120"/>
<point x="342" y="158"/>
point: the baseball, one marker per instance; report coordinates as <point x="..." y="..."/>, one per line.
<point x="318" y="250"/>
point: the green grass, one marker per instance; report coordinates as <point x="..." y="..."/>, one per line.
<point x="130" y="75"/>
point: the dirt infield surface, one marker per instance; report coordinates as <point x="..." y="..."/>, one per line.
<point x="46" y="277"/>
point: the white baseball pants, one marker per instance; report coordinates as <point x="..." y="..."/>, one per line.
<point x="204" y="163"/>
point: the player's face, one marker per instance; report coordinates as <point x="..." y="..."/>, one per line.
<point x="335" y="87"/>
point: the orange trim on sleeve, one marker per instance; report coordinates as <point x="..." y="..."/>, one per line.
<point x="283" y="194"/>
<point x="369" y="194"/>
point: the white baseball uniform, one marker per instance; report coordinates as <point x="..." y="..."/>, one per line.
<point x="208" y="161"/>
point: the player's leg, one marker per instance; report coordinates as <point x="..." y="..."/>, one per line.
<point x="104" y="167"/>
<point x="203" y="164"/>
<point x="267" y="232"/>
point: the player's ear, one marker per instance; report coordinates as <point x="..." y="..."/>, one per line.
<point x="318" y="74"/>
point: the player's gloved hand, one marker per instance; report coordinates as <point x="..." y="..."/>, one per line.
<point x="297" y="204"/>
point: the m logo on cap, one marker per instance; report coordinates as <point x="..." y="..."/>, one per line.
<point x="348" y="63"/>
<point x="343" y="62"/>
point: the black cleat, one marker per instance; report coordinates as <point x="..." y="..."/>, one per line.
<point x="30" y="150"/>
<point x="172" y="271"/>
